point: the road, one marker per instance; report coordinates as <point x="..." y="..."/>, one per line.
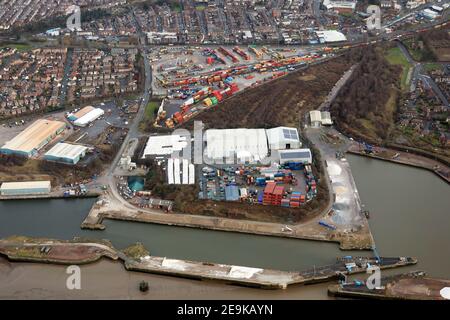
<point x="133" y="132"/>
<point x="420" y="73"/>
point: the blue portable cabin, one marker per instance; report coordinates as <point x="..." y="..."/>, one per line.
<point x="260" y="196"/>
<point x="231" y="193"/>
<point x="261" y="181"/>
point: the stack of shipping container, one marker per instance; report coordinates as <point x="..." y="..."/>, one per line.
<point x="273" y="194"/>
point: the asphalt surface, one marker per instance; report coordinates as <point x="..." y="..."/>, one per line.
<point x="420" y="73"/>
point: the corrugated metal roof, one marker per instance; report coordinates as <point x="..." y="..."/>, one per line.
<point x="246" y="144"/>
<point x="89" y="117"/>
<point x="315" y="116"/>
<point x="164" y="145"/>
<point x="66" y="150"/>
<point x="294" y="155"/>
<point x="83" y="112"/>
<point x="34" y="136"/>
<point x="280" y="136"/>
<point x="25" y="185"/>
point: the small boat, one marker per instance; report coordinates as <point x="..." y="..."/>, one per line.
<point x="143" y="286"/>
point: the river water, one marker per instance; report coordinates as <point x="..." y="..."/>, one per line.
<point x="409" y="208"/>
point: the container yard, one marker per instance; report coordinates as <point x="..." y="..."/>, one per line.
<point x="194" y="80"/>
<point x="289" y="185"/>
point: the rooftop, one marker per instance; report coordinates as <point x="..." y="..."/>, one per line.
<point x="66" y="150"/>
<point x="34" y="136"/>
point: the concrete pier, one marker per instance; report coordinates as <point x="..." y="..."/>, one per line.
<point x="86" y="251"/>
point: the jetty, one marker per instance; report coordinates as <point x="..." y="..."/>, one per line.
<point x="137" y="258"/>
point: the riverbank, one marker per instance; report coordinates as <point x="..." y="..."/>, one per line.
<point x="53" y="195"/>
<point x="79" y="251"/>
<point x="410" y="286"/>
<point x="405" y="158"/>
<point x="111" y="208"/>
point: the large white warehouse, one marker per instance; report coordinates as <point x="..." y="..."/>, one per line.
<point x="244" y="145"/>
<point x="66" y="152"/>
<point x="248" y="145"/>
<point x="158" y="146"/>
<point x="25" y="188"/>
<point x="283" y="138"/>
<point x="89" y="117"/>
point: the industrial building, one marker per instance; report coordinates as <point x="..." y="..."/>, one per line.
<point x="326" y="118"/>
<point x="327" y="36"/>
<point x="77" y="115"/>
<point x="244" y="145"/>
<point x="33" y="138"/>
<point x="66" y="153"/>
<point x="283" y="138"/>
<point x="315" y="118"/>
<point x="180" y="171"/>
<point x="162" y="146"/>
<point x="318" y="118"/>
<point x="303" y="156"/>
<point x="25" y="188"/>
<point x="248" y="145"/>
<point x="340" y="6"/>
<point x="89" y="117"/>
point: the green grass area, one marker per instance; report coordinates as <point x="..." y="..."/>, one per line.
<point x="136" y="251"/>
<point x="432" y="66"/>
<point x="19" y="46"/>
<point x="396" y="57"/>
<point x="151" y="109"/>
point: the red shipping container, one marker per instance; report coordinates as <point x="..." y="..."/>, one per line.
<point x="270" y="187"/>
<point x="217" y="95"/>
<point x="234" y="87"/>
<point x="294" y="204"/>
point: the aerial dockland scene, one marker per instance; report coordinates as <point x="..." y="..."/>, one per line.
<point x="273" y="149"/>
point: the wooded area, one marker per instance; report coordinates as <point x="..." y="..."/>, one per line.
<point x="366" y="105"/>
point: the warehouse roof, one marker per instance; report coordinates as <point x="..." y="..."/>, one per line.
<point x="66" y="150"/>
<point x="247" y="144"/>
<point x="280" y="136"/>
<point x="83" y="111"/>
<point x="89" y="117"/>
<point x="331" y="36"/>
<point x="295" y="153"/>
<point x="315" y="116"/>
<point x="164" y="145"/>
<point x="25" y="185"/>
<point x="33" y="136"/>
<point x="326" y="118"/>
